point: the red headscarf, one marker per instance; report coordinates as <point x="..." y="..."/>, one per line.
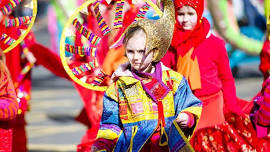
<point x="184" y="40"/>
<point x="198" y="5"/>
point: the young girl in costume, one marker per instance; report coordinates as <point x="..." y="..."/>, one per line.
<point x="8" y="106"/>
<point x="147" y="103"/>
<point x="202" y="58"/>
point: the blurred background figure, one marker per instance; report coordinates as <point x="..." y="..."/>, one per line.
<point x="8" y="106"/>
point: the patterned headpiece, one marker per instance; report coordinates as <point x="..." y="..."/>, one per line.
<point x="198" y="5"/>
<point x="158" y="33"/>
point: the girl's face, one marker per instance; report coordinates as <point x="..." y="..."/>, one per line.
<point x="136" y="52"/>
<point x="187" y="17"/>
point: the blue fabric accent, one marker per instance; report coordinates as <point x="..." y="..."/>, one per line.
<point x="145" y="130"/>
<point x="110" y="113"/>
<point x="184" y="97"/>
<point x="176" y="142"/>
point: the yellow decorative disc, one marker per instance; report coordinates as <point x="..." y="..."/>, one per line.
<point x="80" y="58"/>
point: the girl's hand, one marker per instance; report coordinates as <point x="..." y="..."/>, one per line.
<point x="185" y="120"/>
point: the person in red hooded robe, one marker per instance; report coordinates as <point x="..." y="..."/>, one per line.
<point x="202" y="58"/>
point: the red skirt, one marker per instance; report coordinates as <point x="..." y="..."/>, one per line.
<point x="234" y="135"/>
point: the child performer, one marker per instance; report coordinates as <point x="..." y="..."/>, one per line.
<point x="147" y="103"/>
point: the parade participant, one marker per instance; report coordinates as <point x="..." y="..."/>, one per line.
<point x="147" y="103"/>
<point x="260" y="113"/>
<point x="202" y="58"/>
<point x="20" y="60"/>
<point x="8" y="106"/>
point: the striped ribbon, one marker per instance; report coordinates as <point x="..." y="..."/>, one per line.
<point x="84" y="67"/>
<point x="7" y="9"/>
<point x="101" y="23"/>
<point x="118" y="20"/>
<point x="7" y="40"/>
<point x="99" y="78"/>
<point x="88" y="51"/>
<point x="26" y="68"/>
<point x="16" y="22"/>
<point x="87" y="34"/>
<point x="142" y="12"/>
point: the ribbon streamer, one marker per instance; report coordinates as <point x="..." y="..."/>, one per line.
<point x="88" y="51"/>
<point x="84" y="67"/>
<point x="87" y="34"/>
<point x="99" y="78"/>
<point x="142" y="12"/>
<point x="19" y="21"/>
<point x="7" y="9"/>
<point x="101" y="23"/>
<point x="7" y="40"/>
<point x="118" y="20"/>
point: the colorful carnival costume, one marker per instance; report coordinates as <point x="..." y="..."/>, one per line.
<point x="139" y="109"/>
<point x="8" y="107"/>
<point x="202" y="58"/>
<point x="123" y="127"/>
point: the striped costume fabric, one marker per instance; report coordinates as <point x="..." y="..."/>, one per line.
<point x="87" y="34"/>
<point x="99" y="78"/>
<point x="7" y="39"/>
<point x="88" y="51"/>
<point x="7" y="9"/>
<point x="18" y="21"/>
<point x="264" y="111"/>
<point x="118" y="21"/>
<point x="8" y="103"/>
<point x="142" y="12"/>
<point x="85" y="67"/>
<point x="101" y="22"/>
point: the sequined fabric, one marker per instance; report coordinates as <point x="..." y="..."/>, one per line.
<point x="235" y="135"/>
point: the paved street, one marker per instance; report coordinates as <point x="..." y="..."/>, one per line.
<point x="55" y="103"/>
